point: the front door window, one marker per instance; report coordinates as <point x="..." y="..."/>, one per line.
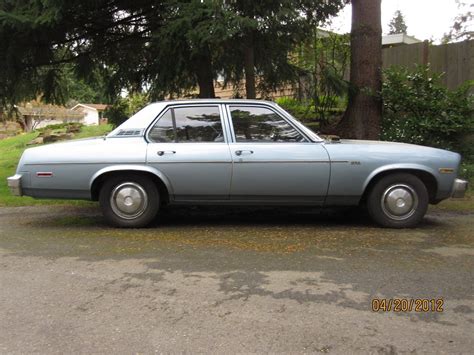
<point x="262" y="125"/>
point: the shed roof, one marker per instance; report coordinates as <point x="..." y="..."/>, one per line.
<point x="41" y="111"/>
<point x="399" y="38"/>
<point x="98" y="107"/>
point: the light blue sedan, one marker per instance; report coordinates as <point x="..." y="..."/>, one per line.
<point x="243" y="152"/>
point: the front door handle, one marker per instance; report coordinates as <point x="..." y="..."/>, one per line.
<point x="163" y="152"/>
<point x="243" y="152"/>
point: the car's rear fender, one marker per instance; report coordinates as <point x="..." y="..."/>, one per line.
<point x="129" y="168"/>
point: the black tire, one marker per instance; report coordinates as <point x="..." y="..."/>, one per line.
<point x="116" y="194"/>
<point x="399" y="200"/>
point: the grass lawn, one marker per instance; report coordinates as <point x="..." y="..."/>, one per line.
<point x="12" y="148"/>
<point x="10" y="152"/>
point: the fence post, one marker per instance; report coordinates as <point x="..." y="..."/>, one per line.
<point x="426" y="52"/>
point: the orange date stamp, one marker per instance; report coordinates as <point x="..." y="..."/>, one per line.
<point x="398" y="305"/>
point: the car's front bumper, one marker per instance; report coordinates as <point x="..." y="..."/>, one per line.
<point x="14" y="183"/>
<point x="459" y="188"/>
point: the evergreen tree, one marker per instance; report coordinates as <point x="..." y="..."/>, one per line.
<point x="164" y="47"/>
<point x="397" y="24"/>
<point x="269" y="32"/>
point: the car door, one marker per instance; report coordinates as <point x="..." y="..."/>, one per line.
<point x="187" y="144"/>
<point x="273" y="161"/>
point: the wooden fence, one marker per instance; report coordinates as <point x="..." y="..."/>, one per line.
<point x="230" y="92"/>
<point x="455" y="60"/>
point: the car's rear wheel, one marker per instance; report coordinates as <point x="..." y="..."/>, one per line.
<point x="129" y="201"/>
<point x="398" y="201"/>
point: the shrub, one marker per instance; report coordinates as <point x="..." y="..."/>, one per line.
<point x="467" y="172"/>
<point x="307" y="111"/>
<point x="418" y="109"/>
<point x="124" y="108"/>
<point x="302" y="110"/>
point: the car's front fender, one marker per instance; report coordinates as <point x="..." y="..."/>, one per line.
<point x="402" y="166"/>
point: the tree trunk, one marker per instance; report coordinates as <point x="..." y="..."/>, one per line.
<point x="204" y="76"/>
<point x="28" y="123"/>
<point x="249" y="66"/>
<point x="364" y="113"/>
<point x="21" y="121"/>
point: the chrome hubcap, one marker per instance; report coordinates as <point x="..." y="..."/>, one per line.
<point x="399" y="201"/>
<point x="128" y="200"/>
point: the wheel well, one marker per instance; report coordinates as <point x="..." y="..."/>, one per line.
<point x="99" y="181"/>
<point x="427" y="179"/>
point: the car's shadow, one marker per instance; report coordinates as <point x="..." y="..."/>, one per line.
<point x="274" y="216"/>
<point x="245" y="216"/>
<point x="255" y="215"/>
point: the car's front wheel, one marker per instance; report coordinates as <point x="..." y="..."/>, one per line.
<point x="398" y="201"/>
<point x="129" y="201"/>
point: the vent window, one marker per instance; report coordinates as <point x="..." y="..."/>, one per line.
<point x="129" y="132"/>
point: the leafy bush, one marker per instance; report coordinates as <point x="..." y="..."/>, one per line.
<point x="419" y="109"/>
<point x="324" y="60"/>
<point x="305" y="110"/>
<point x="123" y="108"/>
<point x="467" y="172"/>
<point x="302" y="110"/>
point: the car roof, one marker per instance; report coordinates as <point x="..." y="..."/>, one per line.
<point x="214" y="101"/>
<point x="145" y="116"/>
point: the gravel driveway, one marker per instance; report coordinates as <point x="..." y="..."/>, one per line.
<point x="213" y="280"/>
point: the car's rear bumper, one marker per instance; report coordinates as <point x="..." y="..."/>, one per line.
<point x="14" y="184"/>
<point x="459" y="188"/>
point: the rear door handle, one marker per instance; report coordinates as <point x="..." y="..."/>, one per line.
<point x="163" y="152"/>
<point x="243" y="152"/>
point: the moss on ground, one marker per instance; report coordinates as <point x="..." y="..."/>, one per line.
<point x="465" y="204"/>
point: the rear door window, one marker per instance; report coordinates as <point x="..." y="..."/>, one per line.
<point x="189" y="124"/>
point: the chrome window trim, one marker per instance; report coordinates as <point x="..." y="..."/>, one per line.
<point x="228" y="134"/>
<point x="177" y="105"/>
<point x="274" y="110"/>
<point x="230" y="124"/>
<point x="226" y="119"/>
